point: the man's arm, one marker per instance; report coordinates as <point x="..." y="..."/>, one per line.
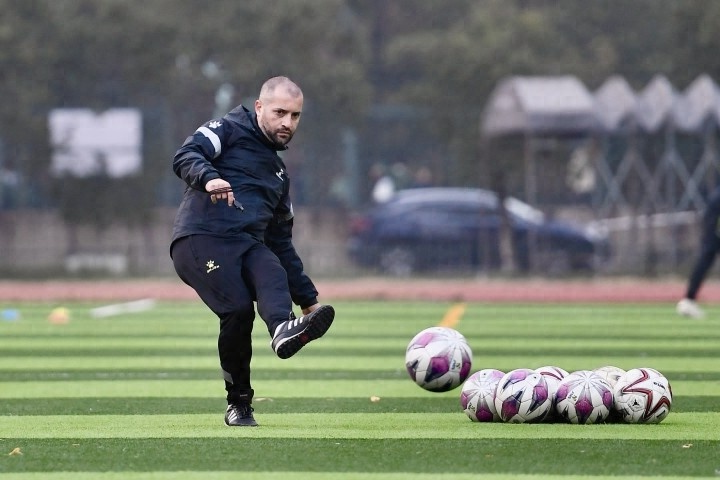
<point x="193" y="161"/>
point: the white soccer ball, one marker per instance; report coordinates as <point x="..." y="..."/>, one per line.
<point x="438" y="359"/>
<point x="643" y="395"/>
<point x="477" y="397"/>
<point x="522" y="397"/>
<point x="610" y="374"/>
<point x="584" y="397"/>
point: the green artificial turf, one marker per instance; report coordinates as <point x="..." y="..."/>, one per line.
<point x="242" y="453"/>
<point x="140" y="396"/>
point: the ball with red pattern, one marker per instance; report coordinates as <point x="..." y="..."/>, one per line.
<point x="643" y="395"/>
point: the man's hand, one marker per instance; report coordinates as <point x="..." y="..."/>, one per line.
<point x="219" y="189"/>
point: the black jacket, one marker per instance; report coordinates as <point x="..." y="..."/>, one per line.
<point x="235" y="149"/>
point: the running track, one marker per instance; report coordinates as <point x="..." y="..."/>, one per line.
<point x="604" y="290"/>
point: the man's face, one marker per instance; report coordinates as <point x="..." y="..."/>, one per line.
<point x="278" y="115"/>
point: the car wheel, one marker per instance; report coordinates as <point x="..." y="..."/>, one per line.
<point x="398" y="261"/>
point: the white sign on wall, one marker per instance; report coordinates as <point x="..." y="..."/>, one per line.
<point x="86" y="143"/>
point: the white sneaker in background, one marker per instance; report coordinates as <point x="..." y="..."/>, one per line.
<point x="689" y="308"/>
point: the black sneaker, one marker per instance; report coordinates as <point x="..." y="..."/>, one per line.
<point x="239" y="415"/>
<point x="292" y="335"/>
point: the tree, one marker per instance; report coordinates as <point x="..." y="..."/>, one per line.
<point x="442" y="57"/>
<point x="115" y="53"/>
<point x="454" y="65"/>
<point x="695" y="42"/>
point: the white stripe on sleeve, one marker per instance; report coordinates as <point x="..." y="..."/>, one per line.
<point x="214" y="139"/>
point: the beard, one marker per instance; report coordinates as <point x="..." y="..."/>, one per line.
<point x="274" y="135"/>
<point x="279" y="141"/>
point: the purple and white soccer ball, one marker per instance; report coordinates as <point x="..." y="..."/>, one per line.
<point x="643" y="395"/>
<point x="522" y="397"/>
<point x="584" y="397"/>
<point x="477" y="397"/>
<point x="553" y="376"/>
<point x="438" y="359"/>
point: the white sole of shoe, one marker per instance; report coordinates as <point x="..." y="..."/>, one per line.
<point x="318" y="323"/>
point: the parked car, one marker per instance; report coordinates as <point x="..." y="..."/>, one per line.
<point x="430" y="229"/>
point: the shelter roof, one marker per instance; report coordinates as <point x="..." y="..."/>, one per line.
<point x="539" y="105"/>
<point x="615" y="103"/>
<point x="655" y="104"/>
<point x="700" y="102"/>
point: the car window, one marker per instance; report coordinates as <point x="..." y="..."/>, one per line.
<point x="450" y="209"/>
<point x="458" y="215"/>
<point x="435" y="210"/>
<point x="459" y="206"/>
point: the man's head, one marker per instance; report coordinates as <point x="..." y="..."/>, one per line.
<point x="278" y="109"/>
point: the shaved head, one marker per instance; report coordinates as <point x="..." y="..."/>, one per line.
<point x="278" y="85"/>
<point x="278" y="109"/>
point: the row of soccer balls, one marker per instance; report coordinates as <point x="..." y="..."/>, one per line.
<point x="439" y="359"/>
<point x="606" y="394"/>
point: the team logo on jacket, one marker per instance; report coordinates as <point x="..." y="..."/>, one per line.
<point x="211" y="266"/>
<point x="280" y="174"/>
<point x="214" y="124"/>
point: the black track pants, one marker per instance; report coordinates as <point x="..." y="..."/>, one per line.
<point x="709" y="247"/>
<point x="229" y="275"/>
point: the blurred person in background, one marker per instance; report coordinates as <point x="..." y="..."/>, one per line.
<point x="232" y="237"/>
<point x="383" y="186"/>
<point x="709" y="247"/>
<point x="423" y="178"/>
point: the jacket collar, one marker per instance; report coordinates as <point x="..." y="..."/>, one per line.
<point x="249" y="119"/>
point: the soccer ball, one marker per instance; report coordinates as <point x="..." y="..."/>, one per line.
<point x="584" y="397"/>
<point x="643" y="395"/>
<point x="522" y="397"/>
<point x="438" y="359"/>
<point x="477" y="397"/>
<point x="610" y="374"/>
<point x="553" y="376"/>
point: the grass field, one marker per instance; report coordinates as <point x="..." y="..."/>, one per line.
<point x="139" y="396"/>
